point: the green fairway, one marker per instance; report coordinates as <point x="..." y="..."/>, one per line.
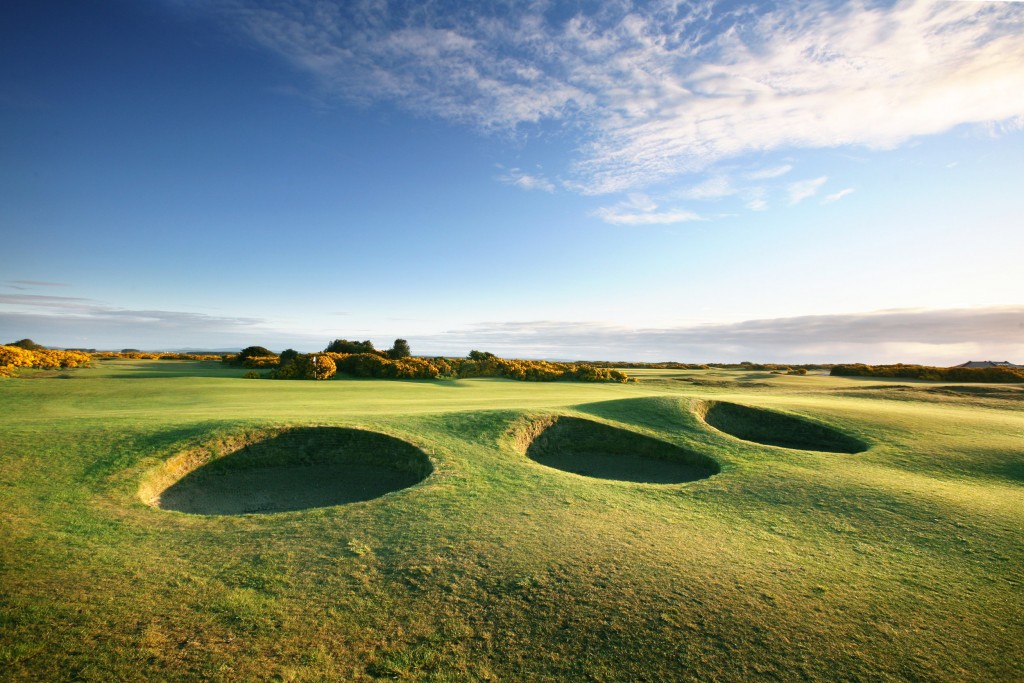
<point x="898" y="562"/>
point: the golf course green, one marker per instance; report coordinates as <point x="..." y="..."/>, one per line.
<point x="175" y="521"/>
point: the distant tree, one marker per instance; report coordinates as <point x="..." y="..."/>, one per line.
<point x="346" y="346"/>
<point x="400" y="349"/>
<point x="288" y="356"/>
<point x="130" y="351"/>
<point x="27" y="344"/>
<point x="480" y="355"/>
<point x="252" y="352"/>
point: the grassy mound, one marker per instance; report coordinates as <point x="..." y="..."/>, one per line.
<point x="597" y="450"/>
<point x="777" y="429"/>
<point x="294" y="469"/>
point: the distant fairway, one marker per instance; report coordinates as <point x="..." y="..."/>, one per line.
<point x="728" y="557"/>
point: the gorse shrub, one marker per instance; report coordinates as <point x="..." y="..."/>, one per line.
<point x="307" y="366"/>
<point x="316" y="366"/>
<point x="926" y="372"/>
<point x="373" y="365"/>
<point x="13" y="357"/>
<point x="379" y="366"/>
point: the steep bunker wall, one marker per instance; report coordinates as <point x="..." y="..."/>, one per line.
<point x="287" y="470"/>
<point x="592" y="449"/>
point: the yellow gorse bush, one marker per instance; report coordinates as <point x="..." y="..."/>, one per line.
<point x="307" y="366"/>
<point x="13" y="357"/>
<point x="376" y="365"/>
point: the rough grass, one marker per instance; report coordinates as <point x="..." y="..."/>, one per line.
<point x="898" y="563"/>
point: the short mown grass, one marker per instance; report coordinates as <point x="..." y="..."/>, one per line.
<point x="901" y="562"/>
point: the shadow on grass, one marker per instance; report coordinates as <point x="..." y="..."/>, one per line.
<point x="159" y="369"/>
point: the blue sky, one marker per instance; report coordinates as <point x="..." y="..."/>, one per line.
<point x="706" y="181"/>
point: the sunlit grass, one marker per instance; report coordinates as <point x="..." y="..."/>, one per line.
<point x="901" y="562"/>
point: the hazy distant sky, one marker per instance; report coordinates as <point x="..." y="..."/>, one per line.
<point x="704" y="181"/>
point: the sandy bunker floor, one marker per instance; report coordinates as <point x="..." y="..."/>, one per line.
<point x="298" y="469"/>
<point x="623" y="467"/>
<point x="281" y="489"/>
<point x="595" y="450"/>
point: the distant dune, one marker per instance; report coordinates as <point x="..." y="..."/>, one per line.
<point x="988" y="364"/>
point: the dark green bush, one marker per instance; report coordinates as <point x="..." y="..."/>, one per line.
<point x="251" y="352"/>
<point x="346" y="346"/>
<point x="400" y="349"/>
<point x="27" y="344"/>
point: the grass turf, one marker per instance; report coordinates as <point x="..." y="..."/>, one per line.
<point x="900" y="562"/>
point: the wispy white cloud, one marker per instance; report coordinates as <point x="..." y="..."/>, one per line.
<point x="77" y="321"/>
<point x="756" y="198"/>
<point x="943" y="337"/>
<point x="836" y="196"/>
<point x="658" y="89"/>
<point x="803" y="189"/>
<point x="68" y="303"/>
<point x="619" y="217"/>
<point x="769" y="173"/>
<point x="640" y="209"/>
<point x="526" y="181"/>
<point x="715" y="187"/>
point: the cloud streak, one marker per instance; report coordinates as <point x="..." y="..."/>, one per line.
<point x="942" y="337"/>
<point x="640" y="209"/>
<point x="803" y="189"/>
<point x="924" y="336"/>
<point x="33" y="284"/>
<point x="76" y="321"/>
<point x="769" y="173"/>
<point x="525" y="181"/>
<point x="836" y="196"/>
<point x="657" y="89"/>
